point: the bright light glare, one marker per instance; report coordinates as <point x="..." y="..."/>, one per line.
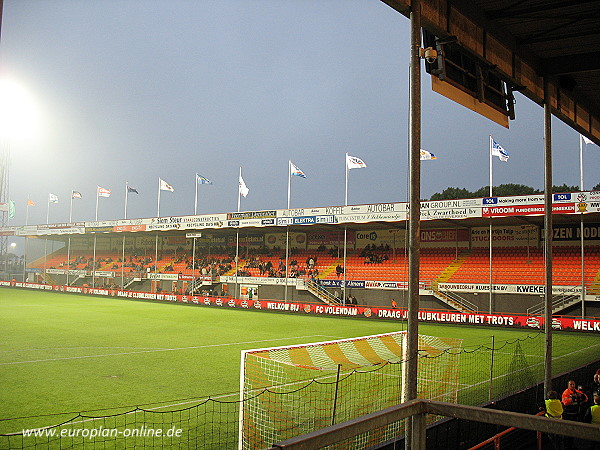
<point x="19" y="117"/>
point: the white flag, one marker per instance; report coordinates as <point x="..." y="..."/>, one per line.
<point x="103" y="192"/>
<point x="164" y="186"/>
<point x="352" y="162"/>
<point x="294" y="170"/>
<point x="243" y="188"/>
<point x="425" y="155"/>
<point x="498" y="151"/>
<point x="53" y="198"/>
<point x="586" y="140"/>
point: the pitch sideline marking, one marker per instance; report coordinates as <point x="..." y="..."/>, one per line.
<point x="159" y="350"/>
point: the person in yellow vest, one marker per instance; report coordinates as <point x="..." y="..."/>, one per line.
<point x="554" y="410"/>
<point x="554" y="407"/>
<point x="592" y="414"/>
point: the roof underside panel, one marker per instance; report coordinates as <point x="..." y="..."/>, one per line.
<point x="529" y="41"/>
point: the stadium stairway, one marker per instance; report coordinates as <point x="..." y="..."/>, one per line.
<point x="559" y="303"/>
<point x="321" y="293"/>
<point x="594" y="289"/>
<point x="453" y="300"/>
<point x="231" y="272"/>
<point x="330" y="270"/>
<point x="452" y="267"/>
<point x="48" y="279"/>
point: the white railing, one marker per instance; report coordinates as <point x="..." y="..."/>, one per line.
<point x="321" y="293"/>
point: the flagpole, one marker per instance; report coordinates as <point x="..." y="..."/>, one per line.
<point x="237" y="235"/>
<point x="126" y="195"/>
<point x="581" y="229"/>
<point x="194" y="239"/>
<point x="46" y="239"/>
<point x="94" y="264"/>
<point x="196" y="197"/>
<point x="97" y="191"/>
<point x="490" y="230"/>
<point x="239" y="190"/>
<point x="95" y="241"/>
<point x="287" y="233"/>
<point x="158" y="203"/>
<point x="289" y="182"/>
<point x="69" y="242"/>
<point x="490" y="155"/>
<point x="346" y="190"/>
<point x="345" y="236"/>
<point x="71" y="208"/>
<point x="25" y="249"/>
<point x="581" y="162"/>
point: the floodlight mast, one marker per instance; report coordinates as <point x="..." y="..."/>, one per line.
<point x="4" y="200"/>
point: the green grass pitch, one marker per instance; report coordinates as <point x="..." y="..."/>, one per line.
<point x="70" y="353"/>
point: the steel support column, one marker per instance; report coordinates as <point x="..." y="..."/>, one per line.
<point x="548" y="238"/>
<point x="414" y="210"/>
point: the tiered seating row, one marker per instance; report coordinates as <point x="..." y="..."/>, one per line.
<point x="518" y="265"/>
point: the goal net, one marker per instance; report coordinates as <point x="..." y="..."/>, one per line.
<point x="293" y="390"/>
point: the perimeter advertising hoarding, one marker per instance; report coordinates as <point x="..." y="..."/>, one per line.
<point x="568" y="232"/>
<point x="531" y="289"/>
<point x="329" y="238"/>
<point x="445" y="317"/>
<point x="451" y="209"/>
<point x="393" y="238"/>
<point x="527" y="210"/>
<point x="505" y="236"/>
<point x="569" y="203"/>
<point x="185" y="222"/>
<point x="296" y="240"/>
<point x="8" y="231"/>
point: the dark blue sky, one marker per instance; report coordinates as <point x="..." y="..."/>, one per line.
<point x="132" y="90"/>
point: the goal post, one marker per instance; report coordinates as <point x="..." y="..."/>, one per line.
<point x="291" y="390"/>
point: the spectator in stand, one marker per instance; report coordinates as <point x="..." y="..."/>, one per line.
<point x="595" y="387"/>
<point x="592" y="415"/>
<point x="394" y="304"/>
<point x="554" y="410"/>
<point x="339" y="270"/>
<point x="554" y="407"/>
<point x="573" y="400"/>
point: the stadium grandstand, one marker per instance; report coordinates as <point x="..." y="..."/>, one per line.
<point x="471" y="256"/>
<point x="235" y="253"/>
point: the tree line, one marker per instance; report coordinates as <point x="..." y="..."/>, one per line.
<point x="454" y="193"/>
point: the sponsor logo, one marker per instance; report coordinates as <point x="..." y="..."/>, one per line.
<point x="562" y="197"/>
<point x="372" y="236"/>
